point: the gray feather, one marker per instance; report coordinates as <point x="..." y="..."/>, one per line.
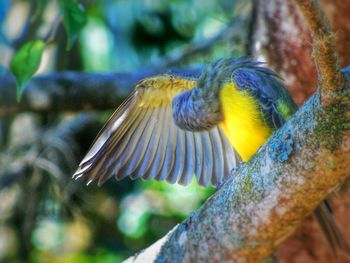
<point x="179" y="158"/>
<point x="169" y="158"/>
<point x="161" y="151"/>
<point x="199" y="155"/>
<point x="119" y="151"/>
<point x="204" y="180"/>
<point x="231" y="158"/>
<point x="218" y="156"/>
<point x="141" y="142"/>
<point x="189" y="160"/>
<point x="151" y="146"/>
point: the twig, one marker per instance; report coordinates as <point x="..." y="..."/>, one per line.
<point x="324" y="49"/>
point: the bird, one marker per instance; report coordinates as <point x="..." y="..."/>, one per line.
<point x="176" y="126"/>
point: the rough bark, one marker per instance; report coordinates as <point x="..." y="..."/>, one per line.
<point x="282" y="38"/>
<point x="265" y="201"/>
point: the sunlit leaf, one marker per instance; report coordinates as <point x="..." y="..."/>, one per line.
<point x="25" y="63"/>
<point x="74" y="19"/>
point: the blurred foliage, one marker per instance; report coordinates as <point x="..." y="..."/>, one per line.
<point x="44" y="215"/>
<point x="74" y="19"/>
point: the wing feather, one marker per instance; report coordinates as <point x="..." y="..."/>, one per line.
<point x="161" y="151"/>
<point x="199" y="155"/>
<point x="218" y="156"/>
<point x="105" y="149"/>
<point x="100" y="150"/>
<point x="204" y="180"/>
<point x="232" y="159"/>
<point x="141" y="142"/>
<point x="114" y="122"/>
<point x="118" y="152"/>
<point x="129" y="143"/>
<point x="178" y="168"/>
<point x="141" y="139"/>
<point x="189" y="160"/>
<point x="152" y="146"/>
<point x="169" y="158"/>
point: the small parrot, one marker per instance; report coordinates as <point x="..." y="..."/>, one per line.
<point x="175" y="127"/>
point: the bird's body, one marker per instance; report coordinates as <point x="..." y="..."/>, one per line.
<point x="243" y="123"/>
<point x="175" y="127"/>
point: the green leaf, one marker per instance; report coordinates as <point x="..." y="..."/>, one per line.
<point x="74" y="19"/>
<point x="25" y="63"/>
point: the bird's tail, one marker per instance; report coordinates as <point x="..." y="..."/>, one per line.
<point x="324" y="215"/>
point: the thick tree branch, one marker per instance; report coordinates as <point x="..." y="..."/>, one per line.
<point x="324" y="50"/>
<point x="264" y="202"/>
<point x="72" y="91"/>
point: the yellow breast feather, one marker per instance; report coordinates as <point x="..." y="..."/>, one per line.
<point x="243" y="122"/>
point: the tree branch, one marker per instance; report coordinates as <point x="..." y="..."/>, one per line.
<point x="324" y="50"/>
<point x="72" y="91"/>
<point x="264" y="202"/>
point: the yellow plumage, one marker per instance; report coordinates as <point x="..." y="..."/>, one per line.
<point x="161" y="89"/>
<point x="243" y="123"/>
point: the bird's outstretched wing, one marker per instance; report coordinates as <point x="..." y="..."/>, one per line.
<point x="142" y="140"/>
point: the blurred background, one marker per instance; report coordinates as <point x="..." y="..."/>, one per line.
<point x="47" y="217"/>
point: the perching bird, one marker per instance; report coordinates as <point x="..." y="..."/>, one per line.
<point x="175" y="127"/>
